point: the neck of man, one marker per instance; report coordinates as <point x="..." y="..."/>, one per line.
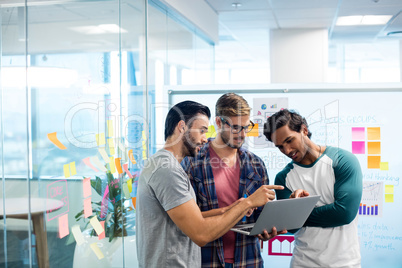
<point x="225" y="152"/>
<point x="176" y="148"/>
<point x="313" y="152"/>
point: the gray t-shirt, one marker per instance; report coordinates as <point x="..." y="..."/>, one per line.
<point x="163" y="185"/>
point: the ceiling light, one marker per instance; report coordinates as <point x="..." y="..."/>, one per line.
<point x="99" y="29"/>
<point x="236" y="5"/>
<point x="363" y="20"/>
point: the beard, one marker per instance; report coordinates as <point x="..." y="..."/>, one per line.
<point x="190" y="145"/>
<point x="226" y="137"/>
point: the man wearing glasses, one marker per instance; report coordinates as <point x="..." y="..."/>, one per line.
<point x="221" y="174"/>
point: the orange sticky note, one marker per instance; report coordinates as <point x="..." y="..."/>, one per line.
<point x="374" y="147"/>
<point x="373" y="162"/>
<point x="134" y="200"/>
<point x="63" y="226"/>
<point x="86" y="186"/>
<point x="103" y="234"/>
<point x="118" y="165"/>
<point x="87" y="207"/>
<point x="53" y="138"/>
<point x="373" y="133"/>
<point x="125" y="167"/>
<point x="253" y="132"/>
<point x="131" y="156"/>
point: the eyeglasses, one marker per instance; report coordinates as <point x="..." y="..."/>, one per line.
<point x="236" y="129"/>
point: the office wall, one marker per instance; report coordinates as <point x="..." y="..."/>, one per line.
<point x="361" y="119"/>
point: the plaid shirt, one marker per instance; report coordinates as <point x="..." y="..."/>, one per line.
<point x="253" y="174"/>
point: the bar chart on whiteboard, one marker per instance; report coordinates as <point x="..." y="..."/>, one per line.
<point x="371" y="204"/>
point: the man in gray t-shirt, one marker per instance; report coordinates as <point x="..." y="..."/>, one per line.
<point x="170" y="226"/>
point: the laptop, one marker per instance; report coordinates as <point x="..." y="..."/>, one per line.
<point x="283" y="214"/>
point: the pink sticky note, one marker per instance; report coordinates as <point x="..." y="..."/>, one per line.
<point x="86" y="185"/>
<point x="63" y="226"/>
<point x="125" y="167"/>
<point x="87" y="207"/>
<point x="89" y="164"/>
<point x="104" y="202"/>
<point x="358" y="133"/>
<point x="358" y="147"/>
<point x="102" y="235"/>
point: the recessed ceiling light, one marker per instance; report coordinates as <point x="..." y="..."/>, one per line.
<point x="236" y="5"/>
<point x="363" y="20"/>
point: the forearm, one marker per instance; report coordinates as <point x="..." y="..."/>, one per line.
<point x="213" y="212"/>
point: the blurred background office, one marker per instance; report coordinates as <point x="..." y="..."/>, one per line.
<point x="85" y="86"/>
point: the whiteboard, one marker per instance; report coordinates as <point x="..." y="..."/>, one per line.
<point x="364" y="121"/>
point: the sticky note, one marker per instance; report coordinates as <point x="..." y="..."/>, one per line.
<point x="87" y="162"/>
<point x="211" y="132"/>
<point x="103" y="234"/>
<point x="126" y="191"/>
<point x="104" y="202"/>
<point x="112" y="165"/>
<point x="96" y="225"/>
<point x="66" y="169"/>
<point x="373" y="133"/>
<point x="358" y="147"/>
<point x="384" y="166"/>
<point x="110" y="142"/>
<point x="122" y="147"/>
<point x="131" y="157"/>
<point x="389" y="189"/>
<point x="79" y="238"/>
<point x="63" y="226"/>
<point x="144" y="137"/>
<point x="110" y="131"/>
<point x="358" y="133"/>
<point x="87" y="207"/>
<point x="389" y="198"/>
<point x="253" y="132"/>
<point x="130" y="185"/>
<point x="373" y="162"/>
<point x="98" y="164"/>
<point x="374" y="147"/>
<point x="118" y="165"/>
<point x="86" y="187"/>
<point x="73" y="169"/>
<point x="53" y="138"/>
<point x="104" y="155"/>
<point x="100" y="139"/>
<point x="97" y="251"/>
<point x="125" y="167"/>
<point x="134" y="200"/>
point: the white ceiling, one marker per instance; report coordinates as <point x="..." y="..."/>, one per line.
<point x="244" y="31"/>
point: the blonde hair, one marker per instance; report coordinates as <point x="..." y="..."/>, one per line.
<point x="231" y="104"/>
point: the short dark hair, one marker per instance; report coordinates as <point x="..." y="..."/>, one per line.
<point x="185" y="111"/>
<point x="282" y="118"/>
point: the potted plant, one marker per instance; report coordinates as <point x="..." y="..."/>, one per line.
<point x="114" y="209"/>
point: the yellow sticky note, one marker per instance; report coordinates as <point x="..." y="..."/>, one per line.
<point x="373" y="133"/>
<point x="53" y="138"/>
<point x="110" y="131"/>
<point x="374" y="147"/>
<point x="130" y="185"/>
<point x="97" y="251"/>
<point x="100" y="139"/>
<point x="73" y="169"/>
<point x="144" y="155"/>
<point x="211" y="132"/>
<point x="389" y="198"/>
<point x="112" y="165"/>
<point x="253" y="132"/>
<point x="104" y="155"/>
<point x="79" y="238"/>
<point x="373" y="162"/>
<point x="389" y="189"/>
<point x="96" y="225"/>
<point x="384" y="166"/>
<point x="66" y="169"/>
<point x="144" y="137"/>
<point x="111" y="146"/>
